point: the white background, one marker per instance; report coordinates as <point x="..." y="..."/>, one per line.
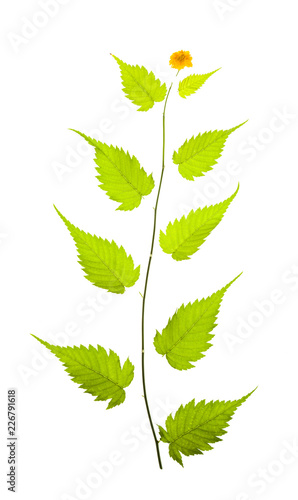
<point x="61" y="75"/>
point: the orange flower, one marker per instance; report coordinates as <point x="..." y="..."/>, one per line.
<point x="180" y="59"/>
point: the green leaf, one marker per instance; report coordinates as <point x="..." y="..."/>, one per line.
<point x="183" y="237"/>
<point x="192" y="83"/>
<point x="198" y="154"/>
<point x="106" y="265"/>
<point x="187" y="334"/>
<point x="120" y="175"/>
<point x="141" y="87"/>
<point x="195" y="426"/>
<point x="96" y="371"/>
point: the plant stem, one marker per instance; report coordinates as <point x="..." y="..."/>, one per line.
<point x="147" y="276"/>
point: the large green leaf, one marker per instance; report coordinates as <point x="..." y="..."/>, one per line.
<point x="140" y="86"/>
<point x="120" y="175"/>
<point x="192" y="83"/>
<point x="195" y="426"/>
<point x="106" y="265"/>
<point x="198" y="154"/>
<point x="183" y="237"/>
<point x="96" y="371"/>
<point x="187" y="334"/>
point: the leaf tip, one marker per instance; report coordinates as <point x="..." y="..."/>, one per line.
<point x="74" y="130"/>
<point x="233" y="281"/>
<point x="242" y="123"/>
<point x="58" y="212"/>
<point x="238" y="187"/>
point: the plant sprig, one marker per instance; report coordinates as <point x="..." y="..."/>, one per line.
<point x="187" y="336"/>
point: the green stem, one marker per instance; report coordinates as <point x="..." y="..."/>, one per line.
<point x="147" y="276"/>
